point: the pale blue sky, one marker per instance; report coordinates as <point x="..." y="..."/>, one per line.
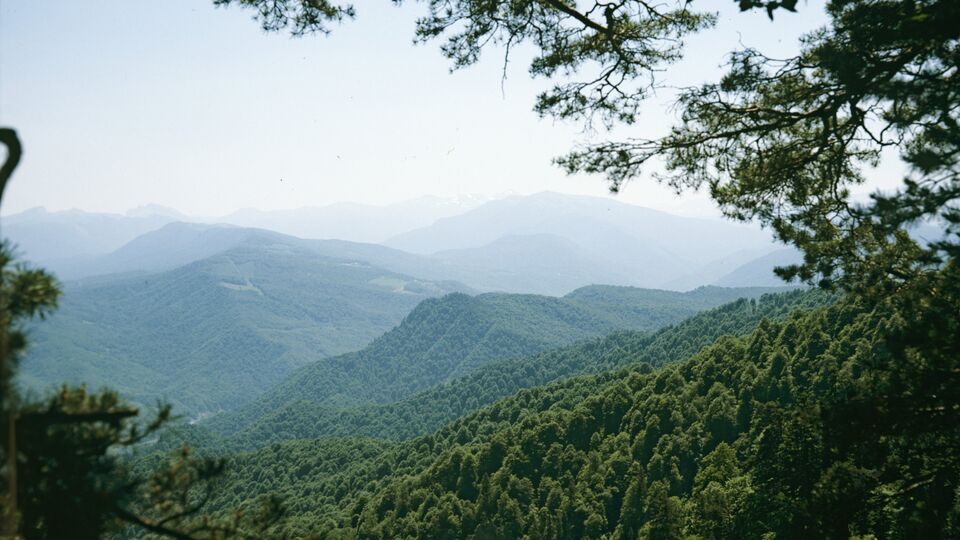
<point x="122" y="103"/>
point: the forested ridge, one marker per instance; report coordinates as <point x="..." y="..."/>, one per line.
<point x="447" y="338"/>
<point x="429" y="410"/>
<point x="754" y="435"/>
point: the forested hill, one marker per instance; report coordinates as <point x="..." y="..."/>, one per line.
<point x="215" y="333"/>
<point x="443" y="339"/>
<point x="752" y="436"/>
<point x="429" y="410"/>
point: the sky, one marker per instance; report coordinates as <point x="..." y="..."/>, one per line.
<point x="130" y="102"/>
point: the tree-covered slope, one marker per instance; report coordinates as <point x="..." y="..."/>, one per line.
<point x="447" y="338"/>
<point x="429" y="410"/>
<point x="216" y="333"/>
<point x="812" y="426"/>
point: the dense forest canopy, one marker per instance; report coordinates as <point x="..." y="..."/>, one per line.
<point x="800" y="430"/>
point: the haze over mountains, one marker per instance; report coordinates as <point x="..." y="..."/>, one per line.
<point x="49" y="238"/>
<point x="546" y="243"/>
<point x="353" y="221"/>
<point x="587" y="238"/>
<point x="587" y="219"/>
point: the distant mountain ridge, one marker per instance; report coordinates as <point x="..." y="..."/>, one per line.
<point x="606" y="239"/>
<point x="175" y="244"/>
<point x="546" y="243"/>
<point x="52" y="237"/>
<point x="354" y="222"/>
<point x="62" y="238"/>
<point x="562" y="214"/>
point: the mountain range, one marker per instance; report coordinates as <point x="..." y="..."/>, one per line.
<point x="211" y="316"/>
<point x="546" y="243"/>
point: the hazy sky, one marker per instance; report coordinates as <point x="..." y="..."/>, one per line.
<point x="121" y="103"/>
